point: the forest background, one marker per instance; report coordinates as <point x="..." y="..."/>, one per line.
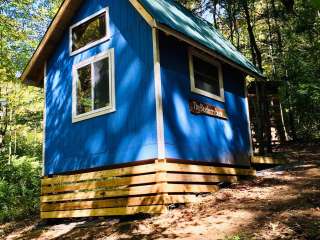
<point x="281" y="37"/>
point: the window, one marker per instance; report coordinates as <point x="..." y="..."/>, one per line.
<point x="89" y="32"/>
<point x="206" y="76"/>
<point x="93" y="87"/>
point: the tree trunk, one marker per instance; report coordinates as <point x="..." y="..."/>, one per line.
<point x="229" y="10"/>
<point x="252" y="38"/>
<point x="214" y="13"/>
<point x="263" y="119"/>
<point x="289" y="5"/>
<point x="275" y="16"/>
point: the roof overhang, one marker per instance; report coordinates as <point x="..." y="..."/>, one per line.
<point x="33" y="74"/>
<point x="152" y="22"/>
<point x="206" y="50"/>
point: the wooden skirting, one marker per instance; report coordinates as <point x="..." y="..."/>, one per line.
<point x="148" y="188"/>
<point x="267" y="160"/>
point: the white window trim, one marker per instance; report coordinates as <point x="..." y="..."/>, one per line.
<point x="90" y="45"/>
<point x="193" y="52"/>
<point x="102" y="111"/>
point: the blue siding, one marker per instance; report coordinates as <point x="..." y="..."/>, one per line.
<point x="201" y="138"/>
<point x="127" y="135"/>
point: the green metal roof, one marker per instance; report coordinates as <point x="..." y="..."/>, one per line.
<point x="178" y="18"/>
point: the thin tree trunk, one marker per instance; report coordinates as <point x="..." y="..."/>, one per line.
<point x="263" y="121"/>
<point x="290" y="113"/>
<point x="252" y="38"/>
<point x="230" y="21"/>
<point x="289" y="5"/>
<point x="214" y="13"/>
<point x="271" y="47"/>
<point x="275" y="17"/>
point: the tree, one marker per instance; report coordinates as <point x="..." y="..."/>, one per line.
<point x="22" y="24"/>
<point x="282" y="38"/>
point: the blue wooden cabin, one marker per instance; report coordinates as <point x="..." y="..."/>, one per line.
<point x="141" y="94"/>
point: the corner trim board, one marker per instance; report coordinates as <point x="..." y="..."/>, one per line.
<point x="44" y="118"/>
<point x="143" y="12"/>
<point x="158" y="94"/>
<point x="248" y="118"/>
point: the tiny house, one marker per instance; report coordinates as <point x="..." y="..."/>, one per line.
<point x="145" y="106"/>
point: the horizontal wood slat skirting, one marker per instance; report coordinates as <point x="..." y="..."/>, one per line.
<point x="267" y="160"/>
<point x="148" y="188"/>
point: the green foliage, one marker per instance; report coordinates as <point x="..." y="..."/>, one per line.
<point x="316" y="3"/>
<point x="19" y="188"/>
<point x="287" y="34"/>
<point x="303" y="73"/>
<point x="236" y="237"/>
<point x="22" y="24"/>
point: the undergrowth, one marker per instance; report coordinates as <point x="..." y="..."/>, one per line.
<point x="19" y="188"/>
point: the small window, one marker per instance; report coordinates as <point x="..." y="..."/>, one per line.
<point x="89" y="32"/>
<point x="93" y="87"/>
<point x="206" y="76"/>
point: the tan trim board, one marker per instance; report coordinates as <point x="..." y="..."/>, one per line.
<point x="199" y="178"/>
<point x="189" y="168"/>
<point x="110" y="182"/>
<point x="108" y="203"/>
<point x="143" y="12"/>
<point x="118" y="202"/>
<point x="266" y="160"/>
<point x="45" y="78"/>
<point x="158" y="94"/>
<point x="145" y="169"/>
<point x="156" y="209"/>
<point x="132" y="191"/>
<point x="248" y="118"/>
<point x="191" y="188"/>
<point x="96" y="175"/>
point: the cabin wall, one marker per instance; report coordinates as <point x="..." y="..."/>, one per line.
<point x="199" y="137"/>
<point x="127" y="135"/>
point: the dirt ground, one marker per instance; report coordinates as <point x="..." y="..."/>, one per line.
<point x="281" y="203"/>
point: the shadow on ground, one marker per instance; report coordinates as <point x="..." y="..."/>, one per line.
<point x="281" y="203"/>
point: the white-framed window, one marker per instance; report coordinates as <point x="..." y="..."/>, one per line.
<point x="206" y="76"/>
<point x="93" y="88"/>
<point x="89" y="32"/>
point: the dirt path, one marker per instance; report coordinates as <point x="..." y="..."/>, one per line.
<point x="281" y="203"/>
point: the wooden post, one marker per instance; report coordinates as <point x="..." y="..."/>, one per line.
<point x="259" y="121"/>
<point x="161" y="179"/>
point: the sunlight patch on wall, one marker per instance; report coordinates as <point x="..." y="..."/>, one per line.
<point x="227" y="130"/>
<point x="181" y="113"/>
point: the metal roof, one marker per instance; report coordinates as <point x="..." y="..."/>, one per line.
<point x="175" y="16"/>
<point x="166" y="13"/>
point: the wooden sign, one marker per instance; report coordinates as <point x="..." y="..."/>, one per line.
<point x="199" y="108"/>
